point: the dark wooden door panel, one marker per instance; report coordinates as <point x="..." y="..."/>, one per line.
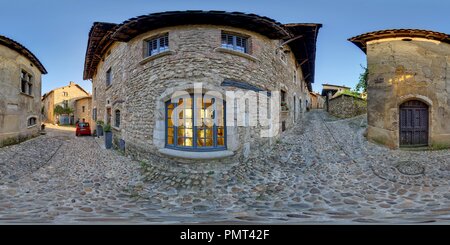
<point x="413" y="123"/>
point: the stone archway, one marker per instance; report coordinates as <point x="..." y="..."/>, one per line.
<point x="414" y="123"/>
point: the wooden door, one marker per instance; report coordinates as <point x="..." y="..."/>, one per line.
<point x="413" y="123"/>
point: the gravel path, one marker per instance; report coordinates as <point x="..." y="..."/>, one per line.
<point x="323" y="171"/>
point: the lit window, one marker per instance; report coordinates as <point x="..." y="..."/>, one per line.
<point x="234" y="42"/>
<point x="196" y="124"/>
<point x="158" y="45"/>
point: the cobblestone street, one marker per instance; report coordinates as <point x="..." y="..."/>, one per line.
<point x="322" y="171"/>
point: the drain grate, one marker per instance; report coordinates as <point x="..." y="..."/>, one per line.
<point x="410" y="168"/>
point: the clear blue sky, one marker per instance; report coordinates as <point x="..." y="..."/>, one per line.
<point x="56" y="31"/>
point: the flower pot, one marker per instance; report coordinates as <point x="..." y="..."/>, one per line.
<point x="99" y="130"/>
<point x="108" y="140"/>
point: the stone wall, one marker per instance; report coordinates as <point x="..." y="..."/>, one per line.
<point x="402" y="70"/>
<point x="16" y="107"/>
<point x="141" y="85"/>
<point x="344" y="106"/>
<point x="87" y="113"/>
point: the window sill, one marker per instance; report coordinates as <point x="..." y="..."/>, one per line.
<point x="196" y="155"/>
<point x="109" y="86"/>
<point x="30" y="96"/>
<point x="156" y="56"/>
<point x="234" y="52"/>
<point x="115" y="128"/>
<point x="32" y="126"/>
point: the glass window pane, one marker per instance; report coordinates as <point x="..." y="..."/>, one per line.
<point x="180" y="141"/>
<point x="170" y="140"/>
<point x="189" y="132"/>
<point x="188" y="142"/>
<point x="188" y="113"/>
<point x="181" y="131"/>
<point x="220" y="132"/>
<point x="209" y="133"/>
<point x="169" y="122"/>
<point x="220" y="141"/>
<point x="170" y="132"/>
<point x="209" y="142"/>
<point x="201" y="142"/>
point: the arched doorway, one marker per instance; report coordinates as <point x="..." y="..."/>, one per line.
<point x="414" y="124"/>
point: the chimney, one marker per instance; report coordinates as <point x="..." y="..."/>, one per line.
<point x="71" y="83"/>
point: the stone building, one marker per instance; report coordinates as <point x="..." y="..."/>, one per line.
<point x="65" y="97"/>
<point x="137" y="67"/>
<point x="20" y="107"/>
<point x="317" y="101"/>
<point x="329" y="90"/>
<point x="82" y="109"/>
<point x="408" y="87"/>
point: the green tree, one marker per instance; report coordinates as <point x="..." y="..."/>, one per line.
<point x="362" y="83"/>
<point x="59" y="110"/>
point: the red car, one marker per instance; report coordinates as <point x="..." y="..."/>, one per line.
<point x="83" y="129"/>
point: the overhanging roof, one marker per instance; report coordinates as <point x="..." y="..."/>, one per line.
<point x="7" y="42"/>
<point x="361" y="40"/>
<point x="102" y="35"/>
<point x="304" y="48"/>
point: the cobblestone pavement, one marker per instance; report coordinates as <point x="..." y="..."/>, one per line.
<point x="323" y="171"/>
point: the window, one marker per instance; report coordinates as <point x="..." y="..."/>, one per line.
<point x="32" y="121"/>
<point x="295" y="76"/>
<point x="283" y="57"/>
<point x="234" y="42"/>
<point x="66" y="104"/>
<point x="26" y="83"/>
<point x="158" y="45"/>
<point x="108" y="115"/>
<point x="95" y="93"/>
<point x="108" y="77"/>
<point x="196" y="124"/>
<point x="117" y="117"/>
<point x="65" y="94"/>
<point x="94" y="114"/>
<point x="82" y="108"/>
<point x="283" y="96"/>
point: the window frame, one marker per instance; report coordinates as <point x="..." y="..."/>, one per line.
<point x="26" y="83"/>
<point x="159" y="49"/>
<point x="30" y="120"/>
<point x="234" y="38"/>
<point x="195" y="147"/>
<point x="109" y="79"/>
<point x="117" y="118"/>
<point x="94" y="114"/>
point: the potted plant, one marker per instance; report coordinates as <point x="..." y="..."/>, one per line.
<point x="100" y="128"/>
<point x="284" y="106"/>
<point x="108" y="136"/>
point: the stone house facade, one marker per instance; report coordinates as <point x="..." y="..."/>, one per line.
<point x="408" y="87"/>
<point x="317" y="101"/>
<point x="137" y="66"/>
<point x="329" y="90"/>
<point x="82" y="109"/>
<point x="20" y="107"/>
<point x="64" y="96"/>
